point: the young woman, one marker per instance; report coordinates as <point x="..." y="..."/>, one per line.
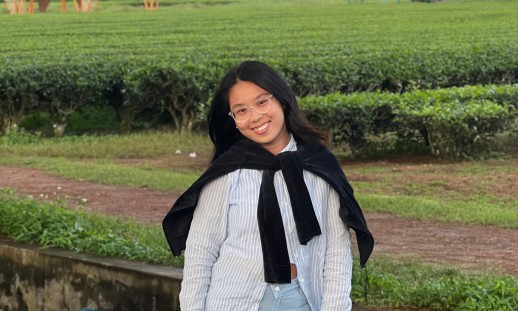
<point x="266" y="226"/>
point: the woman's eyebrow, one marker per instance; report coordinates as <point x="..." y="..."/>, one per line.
<point x="256" y="98"/>
<point x="262" y="94"/>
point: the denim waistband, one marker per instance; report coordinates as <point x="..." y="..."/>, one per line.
<point x="280" y="290"/>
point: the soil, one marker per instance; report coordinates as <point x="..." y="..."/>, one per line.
<point x="483" y="248"/>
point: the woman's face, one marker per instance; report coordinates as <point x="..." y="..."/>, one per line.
<point x="267" y="129"/>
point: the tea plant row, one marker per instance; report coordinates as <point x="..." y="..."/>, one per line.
<point x="450" y="120"/>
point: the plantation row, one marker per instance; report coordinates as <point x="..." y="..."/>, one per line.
<point x="450" y="121"/>
<point x="170" y="61"/>
<point x="266" y="29"/>
<point x="319" y="48"/>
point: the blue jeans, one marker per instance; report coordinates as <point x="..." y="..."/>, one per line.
<point x="284" y="297"/>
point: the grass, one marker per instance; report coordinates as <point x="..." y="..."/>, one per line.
<point x="409" y="286"/>
<point x="474" y="211"/>
<point x="476" y="192"/>
<point x="50" y="223"/>
<point x="133" y="146"/>
<point x="109" y="173"/>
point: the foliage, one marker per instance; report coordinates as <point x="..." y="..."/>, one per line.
<point x="63" y="90"/>
<point x="50" y="224"/>
<point x="453" y="128"/>
<point x="390" y="284"/>
<point x="350" y="118"/>
<point x="409" y="285"/>
<point x="452" y="121"/>
<point x="168" y="63"/>
<point x="181" y="91"/>
<point x="16" y="96"/>
<point x="93" y="119"/>
<point x="342" y="47"/>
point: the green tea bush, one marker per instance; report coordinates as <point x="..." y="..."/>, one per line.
<point x="180" y="91"/>
<point x="453" y="128"/>
<point x="452" y="122"/>
<point x="350" y="118"/>
<point x="93" y="119"/>
<point x="37" y="122"/>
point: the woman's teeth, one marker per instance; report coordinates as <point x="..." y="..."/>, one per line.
<point x="261" y="128"/>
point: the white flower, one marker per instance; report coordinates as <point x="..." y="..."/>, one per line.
<point x="59" y="187"/>
<point x="192" y="155"/>
<point x="178" y="151"/>
<point x="84" y="200"/>
<point x="30" y="197"/>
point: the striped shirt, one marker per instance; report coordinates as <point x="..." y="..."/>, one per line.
<point x="223" y="267"/>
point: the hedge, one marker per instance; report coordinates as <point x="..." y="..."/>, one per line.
<point x="451" y="121"/>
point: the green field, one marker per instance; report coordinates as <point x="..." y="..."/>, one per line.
<point x="273" y="30"/>
<point x="320" y="46"/>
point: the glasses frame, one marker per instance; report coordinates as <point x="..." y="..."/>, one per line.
<point x="268" y="98"/>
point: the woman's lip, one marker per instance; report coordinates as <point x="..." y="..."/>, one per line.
<point x="264" y="127"/>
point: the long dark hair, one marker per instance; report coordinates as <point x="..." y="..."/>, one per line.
<point x="222" y="128"/>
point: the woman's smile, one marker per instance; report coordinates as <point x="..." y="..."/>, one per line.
<point x="262" y="129"/>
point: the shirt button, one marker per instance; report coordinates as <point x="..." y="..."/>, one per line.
<point x="277" y="288"/>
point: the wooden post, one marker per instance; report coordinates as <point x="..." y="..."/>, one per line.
<point x="8" y="6"/>
<point x="43" y="5"/>
<point x="152" y="5"/>
<point x="76" y="5"/>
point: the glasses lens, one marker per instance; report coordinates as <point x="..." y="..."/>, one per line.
<point x="242" y="117"/>
<point x="263" y="105"/>
<point x="242" y="114"/>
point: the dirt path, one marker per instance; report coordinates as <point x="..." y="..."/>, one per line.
<point x="476" y="247"/>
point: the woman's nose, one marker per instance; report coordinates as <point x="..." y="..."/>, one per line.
<point x="254" y="115"/>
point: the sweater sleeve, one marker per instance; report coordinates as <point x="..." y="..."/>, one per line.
<point x="338" y="260"/>
<point x="205" y="237"/>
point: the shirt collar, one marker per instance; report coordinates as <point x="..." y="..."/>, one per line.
<point x="291" y="146"/>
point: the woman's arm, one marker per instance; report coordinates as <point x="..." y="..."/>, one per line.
<point x="338" y="260"/>
<point x="206" y="235"/>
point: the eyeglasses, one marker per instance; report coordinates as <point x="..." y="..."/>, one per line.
<point x="242" y="113"/>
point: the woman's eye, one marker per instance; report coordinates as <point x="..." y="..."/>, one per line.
<point x="240" y="111"/>
<point x="262" y="102"/>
